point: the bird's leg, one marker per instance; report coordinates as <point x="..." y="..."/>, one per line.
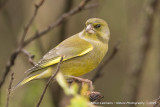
<point x="82" y="80"/>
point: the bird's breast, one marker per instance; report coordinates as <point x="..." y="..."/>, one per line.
<point x="83" y="64"/>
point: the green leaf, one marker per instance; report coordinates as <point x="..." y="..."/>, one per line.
<point x="78" y="101"/>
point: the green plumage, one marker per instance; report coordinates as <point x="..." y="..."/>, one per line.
<point x="82" y="52"/>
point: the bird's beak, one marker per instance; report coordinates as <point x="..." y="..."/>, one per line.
<point x="89" y="29"/>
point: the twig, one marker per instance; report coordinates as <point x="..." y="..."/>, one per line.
<point x="39" y="34"/>
<point x="48" y="82"/>
<point x="9" y="65"/>
<point x="100" y="68"/>
<point x="58" y="22"/>
<point x="26" y="28"/>
<point x="30" y="57"/>
<point x="9" y="89"/>
<point x="21" y="45"/>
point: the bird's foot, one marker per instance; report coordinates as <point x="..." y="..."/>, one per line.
<point x="82" y="80"/>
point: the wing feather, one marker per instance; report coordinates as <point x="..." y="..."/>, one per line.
<point x="70" y="48"/>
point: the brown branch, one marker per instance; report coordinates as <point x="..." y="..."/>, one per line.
<point x="39" y="34"/>
<point x="9" y="65"/>
<point x="26" y="28"/>
<point x="9" y="89"/>
<point x="56" y="89"/>
<point x="30" y="57"/>
<point x="99" y="71"/>
<point x="50" y="79"/>
<point x="21" y="45"/>
<point x="58" y="22"/>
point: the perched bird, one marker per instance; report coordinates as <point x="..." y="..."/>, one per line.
<point x="81" y="53"/>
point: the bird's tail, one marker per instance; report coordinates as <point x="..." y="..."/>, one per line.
<point x="45" y="74"/>
<point x="24" y="81"/>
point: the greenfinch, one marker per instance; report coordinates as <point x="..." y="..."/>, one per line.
<point x="81" y="53"/>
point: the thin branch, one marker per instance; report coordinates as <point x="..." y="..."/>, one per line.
<point x="9" y="89"/>
<point x="56" y="89"/>
<point x="100" y="68"/>
<point x="50" y="79"/>
<point x="18" y="50"/>
<point x="58" y="22"/>
<point x="30" y="57"/>
<point x="9" y="65"/>
<point x="26" y="28"/>
<point x="39" y="34"/>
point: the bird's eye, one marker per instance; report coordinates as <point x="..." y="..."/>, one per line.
<point x="97" y="26"/>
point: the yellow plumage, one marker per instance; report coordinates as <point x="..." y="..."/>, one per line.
<point x="82" y="52"/>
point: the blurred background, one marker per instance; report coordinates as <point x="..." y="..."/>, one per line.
<point x="132" y="75"/>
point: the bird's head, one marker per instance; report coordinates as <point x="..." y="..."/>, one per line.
<point x="97" y="29"/>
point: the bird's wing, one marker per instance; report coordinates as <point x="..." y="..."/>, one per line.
<point x="69" y="48"/>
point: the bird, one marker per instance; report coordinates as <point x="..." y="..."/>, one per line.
<point x="81" y="53"/>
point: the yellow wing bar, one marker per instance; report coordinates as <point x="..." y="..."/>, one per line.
<point x="55" y="61"/>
